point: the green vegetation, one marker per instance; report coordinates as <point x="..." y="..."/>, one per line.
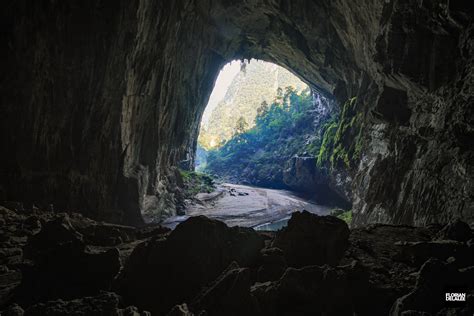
<point x="259" y="154"/>
<point x="196" y="182"/>
<point x="342" y="141"/>
<point x="247" y="91"/>
<point x="327" y="145"/>
<point x="346" y="216"/>
<point x="343" y="214"/>
<point x="283" y="129"/>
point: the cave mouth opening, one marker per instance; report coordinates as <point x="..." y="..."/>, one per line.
<point x="261" y="133"/>
<point x="253" y="103"/>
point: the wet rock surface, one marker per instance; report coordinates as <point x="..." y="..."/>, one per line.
<point x="204" y="267"/>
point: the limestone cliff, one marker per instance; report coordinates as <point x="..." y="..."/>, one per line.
<point x="101" y="99"/>
<point x="257" y="83"/>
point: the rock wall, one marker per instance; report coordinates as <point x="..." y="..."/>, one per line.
<point x="100" y="100"/>
<point x="63" y="82"/>
<point x="417" y="165"/>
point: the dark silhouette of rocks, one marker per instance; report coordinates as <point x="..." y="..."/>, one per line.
<point x="101" y="104"/>
<point x="204" y="267"/>
<point x="312" y="240"/>
<point x="193" y="255"/>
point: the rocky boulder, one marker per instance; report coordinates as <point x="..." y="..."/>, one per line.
<point x="310" y="239"/>
<point x="315" y="290"/>
<point x="102" y="234"/>
<point x="53" y="234"/>
<point x="435" y="278"/>
<point x="13" y="310"/>
<point x="60" y="265"/>
<point x="377" y="248"/>
<point x="168" y="271"/>
<point x="416" y="253"/>
<point x="229" y="294"/>
<point x="273" y="265"/>
<point x="456" y="230"/>
<point x="180" y="310"/>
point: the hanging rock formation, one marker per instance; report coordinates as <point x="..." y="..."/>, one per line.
<point x="101" y="99"/>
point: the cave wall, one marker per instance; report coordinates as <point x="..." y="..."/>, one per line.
<point x="100" y="100"/>
<point x="63" y="71"/>
<point x="418" y="166"/>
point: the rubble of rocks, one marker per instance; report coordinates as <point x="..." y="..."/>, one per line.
<point x="58" y="264"/>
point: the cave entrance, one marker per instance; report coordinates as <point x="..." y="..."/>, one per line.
<point x="258" y="146"/>
<point x="250" y="105"/>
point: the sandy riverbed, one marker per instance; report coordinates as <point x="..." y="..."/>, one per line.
<point x="241" y="205"/>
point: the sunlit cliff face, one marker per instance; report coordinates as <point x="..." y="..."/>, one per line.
<point x="239" y="91"/>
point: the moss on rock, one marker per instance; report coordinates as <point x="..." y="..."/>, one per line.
<point x="342" y="140"/>
<point x="345" y="215"/>
<point x="196" y="182"/>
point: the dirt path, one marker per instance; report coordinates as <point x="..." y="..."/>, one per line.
<point x="240" y="205"/>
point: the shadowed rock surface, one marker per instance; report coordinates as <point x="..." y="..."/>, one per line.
<point x="434" y="279"/>
<point x="204" y="267"/>
<point x="103" y="304"/>
<point x="229" y="294"/>
<point x="193" y="255"/>
<point x="312" y="240"/>
<point x="108" y="98"/>
<point x="316" y="290"/>
<point x="101" y="101"/>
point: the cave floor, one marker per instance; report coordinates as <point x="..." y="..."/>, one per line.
<point x="247" y="206"/>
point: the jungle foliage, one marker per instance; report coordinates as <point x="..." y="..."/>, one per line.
<point x="283" y="129"/>
<point x="259" y="154"/>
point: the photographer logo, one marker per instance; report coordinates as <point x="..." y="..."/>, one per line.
<point x="455" y="297"/>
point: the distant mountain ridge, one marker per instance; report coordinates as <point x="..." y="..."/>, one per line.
<point x="258" y="82"/>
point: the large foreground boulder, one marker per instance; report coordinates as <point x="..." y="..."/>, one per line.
<point x="310" y="239"/>
<point x="53" y="234"/>
<point x="456" y="230"/>
<point x="59" y="265"/>
<point x="377" y="248"/>
<point x="315" y="290"/>
<point x="416" y="253"/>
<point x="435" y="279"/>
<point x="273" y="265"/>
<point x="164" y="272"/>
<point x="228" y="295"/>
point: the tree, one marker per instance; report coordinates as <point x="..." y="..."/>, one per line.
<point x="279" y="96"/>
<point x="262" y="110"/>
<point x="241" y="126"/>
<point x="243" y="66"/>
<point x="259" y="154"/>
<point x="288" y="97"/>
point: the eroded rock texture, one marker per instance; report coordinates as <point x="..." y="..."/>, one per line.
<point x="58" y="264"/>
<point x="101" y="99"/>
